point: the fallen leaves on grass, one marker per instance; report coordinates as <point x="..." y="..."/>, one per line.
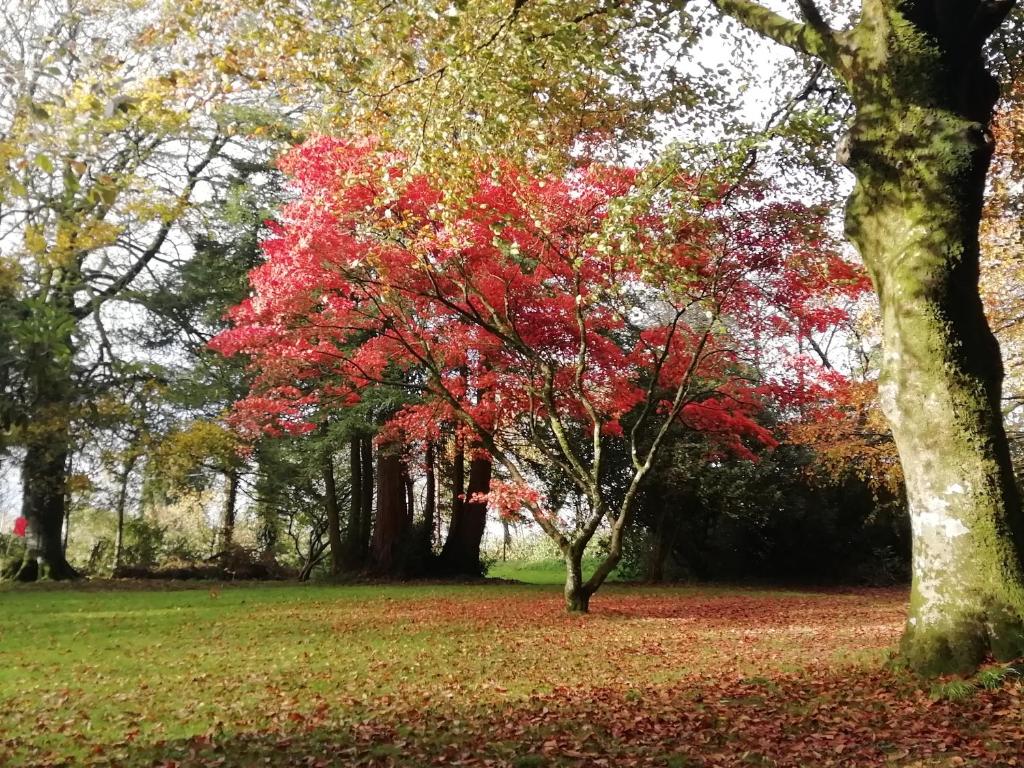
<point x="504" y="677"/>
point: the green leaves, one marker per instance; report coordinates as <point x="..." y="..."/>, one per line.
<point x="44" y="162"/>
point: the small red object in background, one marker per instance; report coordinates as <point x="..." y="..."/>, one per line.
<point x="20" y="526"/>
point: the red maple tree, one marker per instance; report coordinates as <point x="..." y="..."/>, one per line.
<point x="554" y="319"/>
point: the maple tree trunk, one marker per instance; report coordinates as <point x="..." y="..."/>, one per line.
<point x="391" y="527"/>
<point x="577" y="593"/>
<point x="333" y="516"/>
<point x="461" y="552"/>
<point x="920" y="150"/>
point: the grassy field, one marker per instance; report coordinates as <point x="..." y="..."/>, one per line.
<point x="547" y="571"/>
<point x="489" y="675"/>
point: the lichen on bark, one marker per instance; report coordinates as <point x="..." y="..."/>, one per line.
<point x="919" y="147"/>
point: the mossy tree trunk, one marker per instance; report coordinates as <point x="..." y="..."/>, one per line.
<point x="920" y="147"/>
<point x="45" y="467"/>
<point x="48" y="442"/>
<point x="940" y="388"/>
<point x="577" y="592"/>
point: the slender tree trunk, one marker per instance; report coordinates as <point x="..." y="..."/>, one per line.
<point x="410" y="497"/>
<point x="430" y="500"/>
<point x="366" y="519"/>
<point x="333" y="516"/>
<point x="227" y="525"/>
<point x="68" y="471"/>
<point x="392" y="524"/>
<point x="461" y="552"/>
<point x="577" y="593"/>
<point x="122" y="502"/>
<point x="353" y="549"/>
<point x="316" y="554"/>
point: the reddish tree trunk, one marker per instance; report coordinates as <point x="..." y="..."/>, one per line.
<point x="392" y="525"/>
<point x="461" y="553"/>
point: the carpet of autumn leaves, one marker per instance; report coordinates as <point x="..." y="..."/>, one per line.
<point x="477" y="676"/>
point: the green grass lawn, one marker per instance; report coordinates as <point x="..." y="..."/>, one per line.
<point x="547" y="571"/>
<point x="483" y="675"/>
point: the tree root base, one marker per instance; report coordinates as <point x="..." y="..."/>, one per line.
<point x="29" y="571"/>
<point x="962" y="645"/>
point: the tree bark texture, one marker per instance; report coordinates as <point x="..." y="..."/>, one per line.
<point x="391" y="528"/>
<point x="920" y="148"/>
<point x="354" y="548"/>
<point x="577" y="592"/>
<point x="366" y="496"/>
<point x="227" y="518"/>
<point x="461" y="552"/>
<point x="333" y="516"/>
<point x="44" y="499"/>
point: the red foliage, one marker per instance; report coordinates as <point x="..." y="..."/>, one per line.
<point x="537" y="304"/>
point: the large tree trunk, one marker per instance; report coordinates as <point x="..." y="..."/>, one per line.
<point x="661" y="545"/>
<point x="920" y="149"/>
<point x="391" y="528"/>
<point x="461" y="552"/>
<point x="44" y="499"/>
<point x="333" y="515"/>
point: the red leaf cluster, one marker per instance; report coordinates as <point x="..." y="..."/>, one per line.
<point x="581" y="299"/>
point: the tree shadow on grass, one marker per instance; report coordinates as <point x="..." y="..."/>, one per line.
<point x="816" y="718"/>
